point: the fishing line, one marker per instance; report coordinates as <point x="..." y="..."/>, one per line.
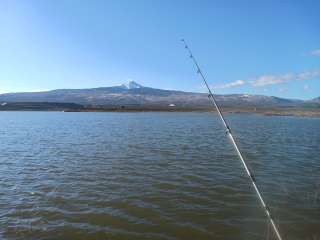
<point x="235" y="145"/>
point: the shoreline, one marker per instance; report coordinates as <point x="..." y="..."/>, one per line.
<point x="266" y="112"/>
<point x="298" y="112"/>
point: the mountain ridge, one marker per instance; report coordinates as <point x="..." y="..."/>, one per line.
<point x="133" y="93"/>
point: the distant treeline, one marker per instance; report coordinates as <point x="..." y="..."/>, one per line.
<point x="307" y="110"/>
<point x="39" y="106"/>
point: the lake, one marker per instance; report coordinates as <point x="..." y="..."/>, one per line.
<point x="156" y="176"/>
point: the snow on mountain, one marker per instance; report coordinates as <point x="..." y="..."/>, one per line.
<point x="131" y="85"/>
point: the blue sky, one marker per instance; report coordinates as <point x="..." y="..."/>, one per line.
<point x="257" y="47"/>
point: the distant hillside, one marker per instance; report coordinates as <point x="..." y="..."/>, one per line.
<point x="134" y="94"/>
<point x="316" y="100"/>
<point x="39" y="106"/>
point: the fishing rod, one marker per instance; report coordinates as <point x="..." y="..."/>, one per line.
<point x="234" y="143"/>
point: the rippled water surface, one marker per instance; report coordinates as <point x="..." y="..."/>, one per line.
<point x="156" y="176"/>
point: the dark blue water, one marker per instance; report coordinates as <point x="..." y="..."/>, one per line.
<point x="156" y="176"/>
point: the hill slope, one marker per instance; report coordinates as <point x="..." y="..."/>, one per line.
<point x="134" y="94"/>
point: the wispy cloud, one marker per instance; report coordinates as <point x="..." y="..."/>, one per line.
<point x="306" y="87"/>
<point x="272" y="79"/>
<point x="236" y="83"/>
<point x="38" y="90"/>
<point x="277" y="79"/>
<point x="315" y="52"/>
<point x="308" y="75"/>
<point x="2" y="91"/>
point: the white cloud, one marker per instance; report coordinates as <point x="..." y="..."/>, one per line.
<point x="306" y="87"/>
<point x="2" y="91"/>
<point x="236" y="83"/>
<point x="272" y="79"/>
<point x="38" y="90"/>
<point x="277" y="79"/>
<point x="315" y="52"/>
<point x="308" y="75"/>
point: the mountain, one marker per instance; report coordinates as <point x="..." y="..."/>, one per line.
<point x="135" y="95"/>
<point x="39" y="106"/>
<point x="131" y="85"/>
<point x="316" y="100"/>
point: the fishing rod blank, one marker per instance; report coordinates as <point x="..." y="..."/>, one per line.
<point x="229" y="133"/>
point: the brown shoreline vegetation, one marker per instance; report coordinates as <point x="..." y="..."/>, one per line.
<point x="301" y="112"/>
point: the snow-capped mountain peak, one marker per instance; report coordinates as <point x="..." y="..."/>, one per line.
<point x="131" y="85"/>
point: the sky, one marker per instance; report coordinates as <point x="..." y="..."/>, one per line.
<point x="252" y="47"/>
